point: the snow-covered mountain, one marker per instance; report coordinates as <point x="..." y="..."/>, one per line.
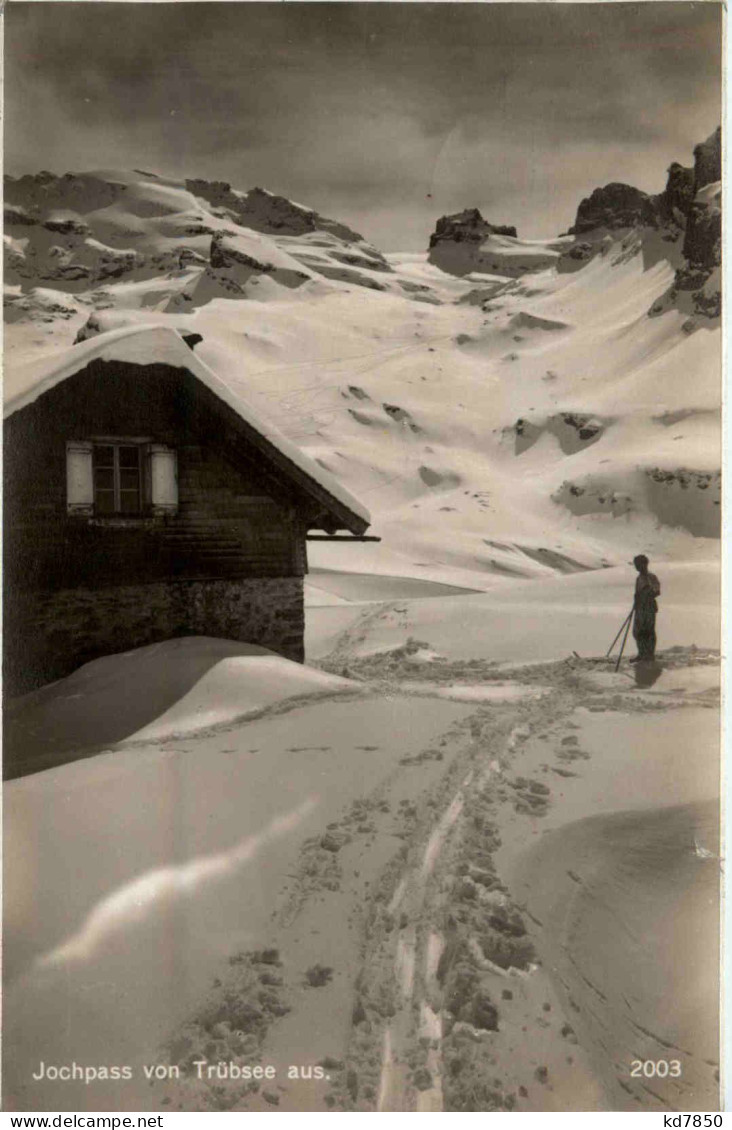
<point x="506" y="408"/>
<point x="77" y="232"/>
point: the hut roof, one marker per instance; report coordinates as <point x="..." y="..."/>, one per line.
<point x="161" y="345"/>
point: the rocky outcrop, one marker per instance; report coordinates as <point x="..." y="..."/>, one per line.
<point x="235" y="262"/>
<point x="708" y="160"/>
<point x="703" y="240"/>
<point x="66" y="225"/>
<point x="619" y="205"/>
<point x="615" y="205"/>
<point x="575" y="257"/>
<point x="79" y="264"/>
<point x="15" y="214"/>
<point x="268" y="214"/>
<point x="467" y="226"/>
<point x="370" y="260"/>
<point x="37" y="193"/>
<point x="265" y="212"/>
<point x="690" y="205"/>
<point x="225" y="254"/>
<point x="464" y="243"/>
<point x="674" y="202"/>
<point x="232" y="253"/>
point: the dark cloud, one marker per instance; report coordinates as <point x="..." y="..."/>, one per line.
<point x="368" y="107"/>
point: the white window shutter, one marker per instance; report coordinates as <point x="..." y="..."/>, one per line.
<point x="163" y="479"/>
<point x="79" y="478"/>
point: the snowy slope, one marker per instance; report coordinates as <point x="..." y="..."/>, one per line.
<point x="497" y="427"/>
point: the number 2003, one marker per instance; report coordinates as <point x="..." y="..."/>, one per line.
<point x="656" y="1067"/>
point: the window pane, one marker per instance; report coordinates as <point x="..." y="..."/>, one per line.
<point x="103" y="478"/>
<point x="103" y="456"/>
<point x="117" y="478"/>
<point x="129" y="480"/>
<point x="129" y="501"/>
<point x="104" y="501"/>
<point x="129" y="457"/>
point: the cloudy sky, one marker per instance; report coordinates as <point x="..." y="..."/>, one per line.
<point x="384" y="115"/>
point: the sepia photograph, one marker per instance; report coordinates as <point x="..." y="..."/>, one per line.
<point x="361" y="557"/>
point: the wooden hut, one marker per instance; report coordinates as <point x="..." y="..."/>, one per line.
<point x="144" y="500"/>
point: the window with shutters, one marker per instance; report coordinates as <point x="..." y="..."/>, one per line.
<point x="120" y="478"/>
<point x="117" y="484"/>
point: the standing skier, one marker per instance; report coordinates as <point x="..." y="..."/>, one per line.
<point x="647" y="588"/>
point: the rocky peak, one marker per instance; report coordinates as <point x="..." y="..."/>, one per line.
<point x="675" y="200"/>
<point x="621" y="205"/>
<point x="467" y="226"/>
<point x="703" y="239"/>
<point x="36" y="193"/>
<point x="708" y="160"/>
<point x="690" y="204"/>
<point x="614" y="205"/>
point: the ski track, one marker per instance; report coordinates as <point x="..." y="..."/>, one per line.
<point x="416" y="951"/>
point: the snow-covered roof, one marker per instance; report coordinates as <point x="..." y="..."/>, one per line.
<point x="161" y="345"/>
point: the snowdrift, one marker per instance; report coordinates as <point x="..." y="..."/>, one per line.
<point x="153" y="694"/>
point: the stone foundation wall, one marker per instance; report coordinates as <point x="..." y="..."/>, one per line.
<point x="49" y="634"/>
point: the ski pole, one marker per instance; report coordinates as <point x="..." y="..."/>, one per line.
<point x="620" y="632"/>
<point x="625" y="637"/>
